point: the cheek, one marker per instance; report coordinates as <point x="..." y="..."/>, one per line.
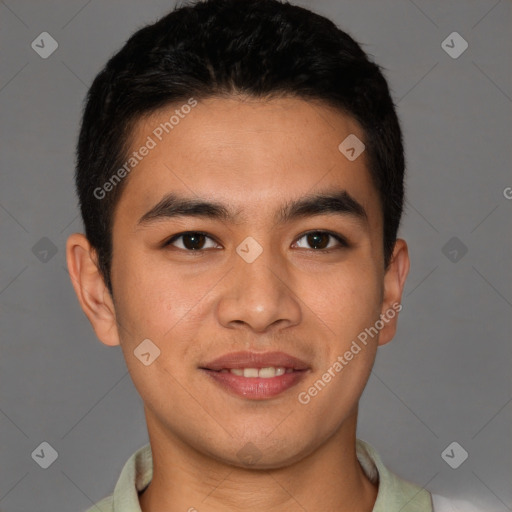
<point x="163" y="307"/>
<point x="148" y="294"/>
<point x="354" y="300"/>
<point x="348" y="298"/>
<point x="159" y="302"/>
<point x="350" y="303"/>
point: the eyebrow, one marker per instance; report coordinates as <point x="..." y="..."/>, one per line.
<point x="338" y="202"/>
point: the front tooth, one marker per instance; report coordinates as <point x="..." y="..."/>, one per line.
<point x="267" y="373"/>
<point x="250" y="372"/>
<point x="264" y="373"/>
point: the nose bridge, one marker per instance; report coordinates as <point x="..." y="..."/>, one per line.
<point x="258" y="277"/>
<point x="255" y="270"/>
<point x="258" y="295"/>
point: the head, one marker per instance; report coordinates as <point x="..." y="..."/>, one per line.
<point x="244" y="105"/>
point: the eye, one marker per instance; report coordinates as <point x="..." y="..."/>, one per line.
<point x="192" y="241"/>
<point x="320" y="240"/>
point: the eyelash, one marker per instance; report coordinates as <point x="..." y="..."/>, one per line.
<point x="340" y="239"/>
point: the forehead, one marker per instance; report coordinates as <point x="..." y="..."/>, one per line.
<point x="249" y="153"/>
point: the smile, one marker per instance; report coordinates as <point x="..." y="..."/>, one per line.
<point x="254" y="375"/>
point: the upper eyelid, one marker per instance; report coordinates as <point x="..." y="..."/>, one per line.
<point x="338" y="237"/>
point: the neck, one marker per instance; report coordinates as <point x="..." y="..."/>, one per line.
<point x="330" y="478"/>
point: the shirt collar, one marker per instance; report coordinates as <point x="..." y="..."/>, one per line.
<point x="394" y="493"/>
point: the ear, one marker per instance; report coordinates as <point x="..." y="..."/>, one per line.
<point x="394" y="282"/>
<point x="93" y="295"/>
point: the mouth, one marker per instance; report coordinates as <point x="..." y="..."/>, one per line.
<point x="256" y="376"/>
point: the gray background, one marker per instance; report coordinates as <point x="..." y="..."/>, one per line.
<point x="445" y="377"/>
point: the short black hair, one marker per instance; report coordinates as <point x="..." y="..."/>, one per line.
<point x="220" y="48"/>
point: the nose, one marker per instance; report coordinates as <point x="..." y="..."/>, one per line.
<point x="259" y="296"/>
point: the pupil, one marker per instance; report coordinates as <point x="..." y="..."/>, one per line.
<point x="314" y="239"/>
<point x="195" y="240"/>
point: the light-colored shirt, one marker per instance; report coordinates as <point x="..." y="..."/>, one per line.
<point x="394" y="493"/>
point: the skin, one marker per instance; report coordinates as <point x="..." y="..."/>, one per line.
<point x="252" y="155"/>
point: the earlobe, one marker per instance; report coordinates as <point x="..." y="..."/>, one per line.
<point x="394" y="283"/>
<point x="89" y="286"/>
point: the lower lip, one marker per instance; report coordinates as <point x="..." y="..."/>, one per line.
<point x="256" y="388"/>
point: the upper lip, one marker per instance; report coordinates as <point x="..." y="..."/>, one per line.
<point x="256" y="360"/>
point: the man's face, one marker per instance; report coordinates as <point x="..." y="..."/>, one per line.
<point x="255" y="158"/>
